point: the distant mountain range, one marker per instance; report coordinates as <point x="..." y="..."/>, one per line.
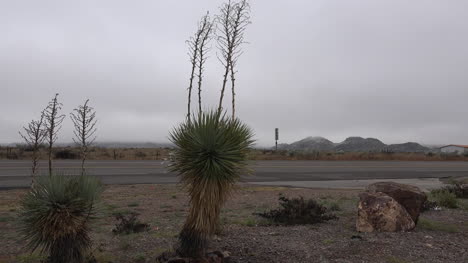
<point x="351" y="144"/>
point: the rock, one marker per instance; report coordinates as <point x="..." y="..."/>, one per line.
<point x="410" y="197"/>
<point x="380" y="212"/>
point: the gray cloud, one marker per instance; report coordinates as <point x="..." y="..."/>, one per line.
<point x="391" y="69"/>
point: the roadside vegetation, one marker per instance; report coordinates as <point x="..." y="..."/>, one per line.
<point x="352" y="156"/>
<point x="24" y="152"/>
<point x="453" y="195"/>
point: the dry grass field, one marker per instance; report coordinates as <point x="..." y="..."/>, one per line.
<point x="98" y="153"/>
<point x="441" y="236"/>
<point x="353" y="156"/>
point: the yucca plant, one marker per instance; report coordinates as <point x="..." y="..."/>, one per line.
<point x="55" y="216"/>
<point x="210" y="156"/>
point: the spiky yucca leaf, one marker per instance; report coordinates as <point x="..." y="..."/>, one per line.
<point x="210" y="156"/>
<point x="55" y="216"/>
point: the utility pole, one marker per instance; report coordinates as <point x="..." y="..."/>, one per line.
<point x="276" y="138"/>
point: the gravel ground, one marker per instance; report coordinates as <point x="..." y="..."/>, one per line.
<point x="441" y="236"/>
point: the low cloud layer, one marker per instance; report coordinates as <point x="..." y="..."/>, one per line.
<point x="395" y="69"/>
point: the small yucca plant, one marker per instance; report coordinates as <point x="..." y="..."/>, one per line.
<point x="210" y="156"/>
<point x="55" y="216"/>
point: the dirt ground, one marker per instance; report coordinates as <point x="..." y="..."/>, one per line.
<point x="441" y="236"/>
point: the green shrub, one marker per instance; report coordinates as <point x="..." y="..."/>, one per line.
<point x="55" y="216"/>
<point x="297" y="211"/>
<point x="444" y="198"/>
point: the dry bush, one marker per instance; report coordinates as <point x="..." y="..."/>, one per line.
<point x="351" y="156"/>
<point x="298" y="211"/>
<point x="128" y="224"/>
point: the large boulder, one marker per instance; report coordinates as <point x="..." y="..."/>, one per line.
<point x="380" y="212"/>
<point x="410" y="197"/>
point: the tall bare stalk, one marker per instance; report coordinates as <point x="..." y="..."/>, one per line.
<point x="34" y="135"/>
<point x="84" y="121"/>
<point x="232" y="23"/>
<point x="207" y="28"/>
<point x="194" y="45"/>
<point x="53" y="124"/>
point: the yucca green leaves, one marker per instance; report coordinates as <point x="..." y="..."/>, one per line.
<point x="211" y="147"/>
<point x="55" y="216"/>
<point x="210" y="156"/>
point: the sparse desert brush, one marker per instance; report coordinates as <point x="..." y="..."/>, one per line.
<point x="297" y="211"/>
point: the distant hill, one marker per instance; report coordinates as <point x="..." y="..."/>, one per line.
<point x="310" y="144"/>
<point x="351" y="144"/>
<point x="407" y="147"/>
<point x="359" y="144"/>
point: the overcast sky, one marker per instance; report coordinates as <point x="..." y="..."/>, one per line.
<point x="396" y="70"/>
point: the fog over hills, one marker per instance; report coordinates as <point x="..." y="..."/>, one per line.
<point x="351" y="144"/>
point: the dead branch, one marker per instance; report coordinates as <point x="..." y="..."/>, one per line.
<point x="34" y="135"/>
<point x="53" y="124"/>
<point x="84" y="122"/>
<point x="194" y="45"/>
<point x="206" y="28"/>
<point x="233" y="21"/>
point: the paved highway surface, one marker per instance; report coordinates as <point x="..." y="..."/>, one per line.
<point x="16" y="173"/>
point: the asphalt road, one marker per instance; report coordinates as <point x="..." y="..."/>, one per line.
<point x="16" y="173"/>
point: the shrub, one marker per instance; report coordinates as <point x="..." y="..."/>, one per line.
<point x="129" y="223"/>
<point x="457" y="188"/>
<point x="55" y="216"/>
<point x="460" y="190"/>
<point x="444" y="198"/>
<point x="297" y="211"/>
<point x="66" y="154"/>
<point x="140" y="154"/>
